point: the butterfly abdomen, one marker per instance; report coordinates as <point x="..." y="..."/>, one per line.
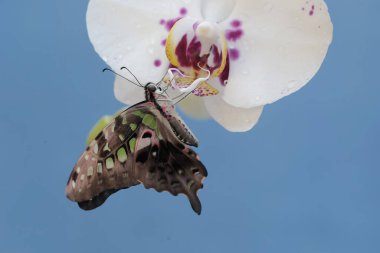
<point x="178" y="126"/>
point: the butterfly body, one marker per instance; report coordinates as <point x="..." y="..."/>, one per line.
<point x="146" y="143"/>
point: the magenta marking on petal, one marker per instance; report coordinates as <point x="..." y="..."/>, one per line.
<point x="194" y="48"/>
<point x="234" y="35"/>
<point x="235" y="23"/>
<point x="193" y="54"/>
<point x="223" y="77"/>
<point x="217" y="59"/>
<point x="180" y="51"/>
<point x="157" y="62"/>
<point x="234" y="54"/>
<point x="162" y="21"/>
<point x="217" y="56"/>
<point x="183" y="11"/>
<point x="163" y="42"/>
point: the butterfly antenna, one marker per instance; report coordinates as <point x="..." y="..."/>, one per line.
<point x="167" y="86"/>
<point x="130" y="72"/>
<point x="161" y="80"/>
<point x="108" y="69"/>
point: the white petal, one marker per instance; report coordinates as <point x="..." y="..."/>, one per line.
<point x="127" y="93"/>
<point x="128" y="33"/>
<point x="194" y="107"/>
<point x="217" y="10"/>
<point x="282" y="47"/>
<point x="232" y="118"/>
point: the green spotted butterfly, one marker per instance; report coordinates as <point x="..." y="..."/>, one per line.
<point x="146" y="143"/>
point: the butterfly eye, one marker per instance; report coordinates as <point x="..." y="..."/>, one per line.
<point x="151" y="87"/>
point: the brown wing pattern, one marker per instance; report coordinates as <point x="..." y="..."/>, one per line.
<point x="137" y="147"/>
<point x="166" y="164"/>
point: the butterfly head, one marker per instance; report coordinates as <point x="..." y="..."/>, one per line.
<point x="152" y="87"/>
<point x="153" y="90"/>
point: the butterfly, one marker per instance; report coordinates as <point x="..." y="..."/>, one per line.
<point x="147" y="144"/>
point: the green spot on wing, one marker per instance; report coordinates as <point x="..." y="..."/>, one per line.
<point x="99" y="126"/>
<point x="109" y="163"/>
<point x="150" y="121"/>
<point x="132" y="144"/>
<point x="139" y="114"/>
<point x="122" y="155"/>
<point x="133" y="126"/>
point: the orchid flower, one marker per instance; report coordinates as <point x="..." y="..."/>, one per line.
<point x="256" y="51"/>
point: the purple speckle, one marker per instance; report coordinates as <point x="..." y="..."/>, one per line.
<point x="183" y="11"/>
<point x="163" y="42"/>
<point x="234" y="54"/>
<point x="157" y="63"/>
<point x="236" y="23"/>
<point x="170" y="23"/>
<point x="234" y="35"/>
<point x="195" y="25"/>
<point x="311" y="12"/>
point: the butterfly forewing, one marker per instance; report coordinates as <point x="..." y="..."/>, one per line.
<point x="138" y="146"/>
<point x="107" y="164"/>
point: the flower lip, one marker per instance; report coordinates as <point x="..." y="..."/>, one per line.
<point x="272" y="48"/>
<point x="192" y="44"/>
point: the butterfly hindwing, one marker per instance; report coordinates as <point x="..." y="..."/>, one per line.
<point x="166" y="164"/>
<point x="138" y="146"/>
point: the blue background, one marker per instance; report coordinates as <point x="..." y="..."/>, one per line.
<point x="306" y="179"/>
